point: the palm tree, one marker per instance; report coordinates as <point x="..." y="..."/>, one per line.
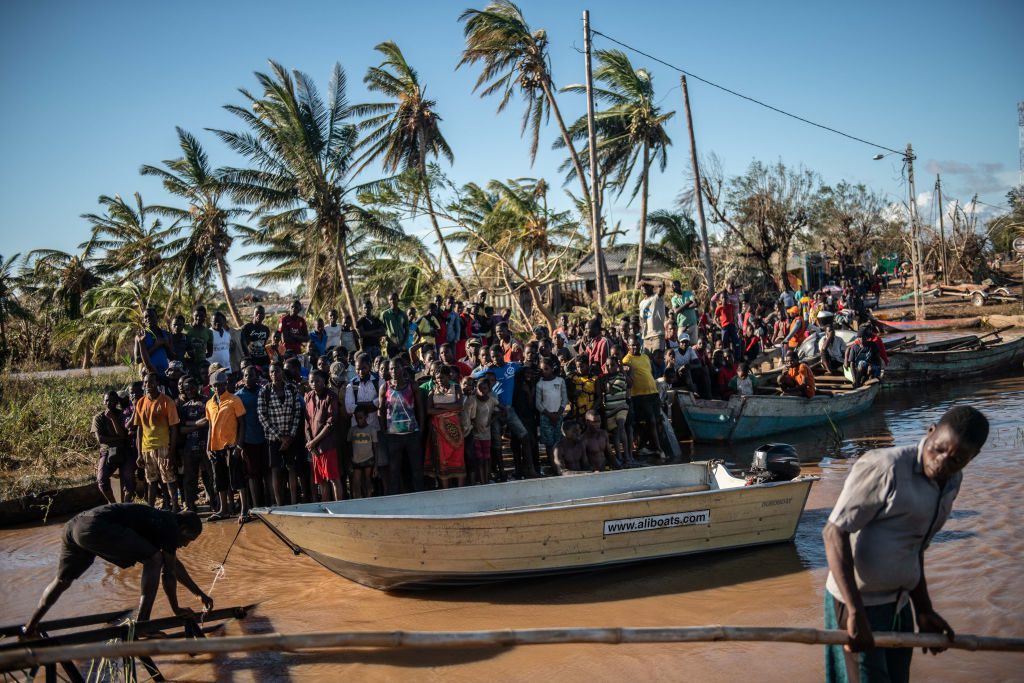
<point x="631" y="129"/>
<point x="515" y="235"/>
<point x="303" y="152"/>
<point x="403" y="133"/>
<point x="676" y="234"/>
<point x="206" y="246"/>
<point x="10" y="307"/>
<point x="59" y="278"/>
<point x="514" y="57"/>
<point x="133" y="246"/>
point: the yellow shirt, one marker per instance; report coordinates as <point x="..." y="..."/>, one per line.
<point x="223" y="412"/>
<point x="643" y="378"/>
<point x="154" y="416"/>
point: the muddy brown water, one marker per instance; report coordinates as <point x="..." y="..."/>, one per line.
<point x="973" y="569"/>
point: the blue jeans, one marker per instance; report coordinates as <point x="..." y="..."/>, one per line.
<point x="881" y="665"/>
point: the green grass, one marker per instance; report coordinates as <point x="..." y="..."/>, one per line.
<point x="45" y="441"/>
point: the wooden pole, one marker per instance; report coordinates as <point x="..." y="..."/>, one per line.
<point x="915" y="242"/>
<point x="942" y="230"/>
<point x="29" y="657"/>
<point x="709" y="270"/>
<point x="600" y="276"/>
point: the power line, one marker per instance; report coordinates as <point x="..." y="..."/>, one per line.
<point x="746" y="97"/>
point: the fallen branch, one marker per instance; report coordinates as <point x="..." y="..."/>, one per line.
<point x="28" y="657"/>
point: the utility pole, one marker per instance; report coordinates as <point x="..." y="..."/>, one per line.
<point x="915" y="243"/>
<point x="709" y="270"/>
<point x="942" y="230"/>
<point x="595" y="196"/>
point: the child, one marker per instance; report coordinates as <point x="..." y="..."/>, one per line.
<point x="614" y="391"/>
<point x="552" y="400"/>
<point x="365" y="449"/>
<point x="468" y="386"/>
<point x="582" y="388"/>
<point x="479" y="411"/>
<point x="744" y="382"/>
<point x="569" y="454"/>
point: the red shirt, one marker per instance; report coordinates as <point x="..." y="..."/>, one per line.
<point x="296" y="324"/>
<point x="597" y="353"/>
<point x="726" y="314"/>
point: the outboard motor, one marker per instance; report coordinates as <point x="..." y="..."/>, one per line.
<point x="774" y="462"/>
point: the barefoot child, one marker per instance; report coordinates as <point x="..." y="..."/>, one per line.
<point x="479" y="412"/>
<point x="365" y="445"/>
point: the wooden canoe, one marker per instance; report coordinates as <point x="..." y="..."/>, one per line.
<point x="751" y="417"/>
<point x="935" y="362"/>
<point x="540" y="526"/>
<point x="893" y="326"/>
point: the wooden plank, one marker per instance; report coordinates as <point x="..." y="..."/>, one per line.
<point x="68" y="622"/>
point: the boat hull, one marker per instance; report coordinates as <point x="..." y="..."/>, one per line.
<point x="912" y="367"/>
<point x="752" y="417"/>
<point x="412" y="552"/>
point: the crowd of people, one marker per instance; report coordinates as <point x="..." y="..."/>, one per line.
<point x="400" y="401"/>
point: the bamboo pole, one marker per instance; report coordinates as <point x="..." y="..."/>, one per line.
<point x="28" y="657"/>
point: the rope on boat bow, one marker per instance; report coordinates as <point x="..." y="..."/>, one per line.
<point x="219" y="571"/>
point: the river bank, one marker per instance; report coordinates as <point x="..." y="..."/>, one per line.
<point x="973" y="571"/>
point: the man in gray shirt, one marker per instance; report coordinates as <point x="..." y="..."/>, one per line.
<point x="893" y="503"/>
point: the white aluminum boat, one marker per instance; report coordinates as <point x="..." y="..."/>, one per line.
<point x="560" y="524"/>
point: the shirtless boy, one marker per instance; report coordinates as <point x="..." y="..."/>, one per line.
<point x="596" y="444"/>
<point x="569" y="454"/>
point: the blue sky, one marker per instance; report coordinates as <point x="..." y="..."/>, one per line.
<point x="93" y="90"/>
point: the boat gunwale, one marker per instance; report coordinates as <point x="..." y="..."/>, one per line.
<point x="265" y="512"/>
<point x="720" y="406"/>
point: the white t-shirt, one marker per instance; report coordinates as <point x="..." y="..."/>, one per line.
<point x="652" y="316"/>
<point x="221" y="348"/>
<point x="836" y="350"/>
<point x="688" y="358"/>
<point x="333" y="336"/>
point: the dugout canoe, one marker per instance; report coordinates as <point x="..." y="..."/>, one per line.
<point x="752" y="417"/>
<point x="551" y="525"/>
<point x="894" y="326"/>
<point x="935" y="362"/>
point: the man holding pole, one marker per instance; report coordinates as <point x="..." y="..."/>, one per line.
<point x="893" y="503"/>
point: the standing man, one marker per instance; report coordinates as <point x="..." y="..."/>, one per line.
<point x="225" y="413"/>
<point x="200" y="344"/>
<point x="280" y="411"/>
<point x="125" y="535"/>
<point x="254" y="338"/>
<point x="652" y="317"/>
<point x="503" y="389"/>
<point x="396" y="327"/>
<point x="893" y="503"/>
<point x="684" y="307"/>
<point x="254" y="445"/>
<point x="321" y="442"/>
<point x="643" y="391"/>
<point x="293" y="329"/>
<point x="109" y="430"/>
<point x="333" y="330"/>
<point x="157" y="416"/>
<point x="152" y="345"/>
<point x="371" y="330"/>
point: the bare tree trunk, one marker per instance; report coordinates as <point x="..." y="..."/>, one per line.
<point x="222" y="271"/>
<point x="346" y="284"/>
<point x="595" y="231"/>
<point x="643" y="217"/>
<point x="445" y="254"/>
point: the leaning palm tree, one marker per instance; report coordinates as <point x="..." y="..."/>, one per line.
<point x="132" y="246"/>
<point x="403" y="133"/>
<point x="206" y="245"/>
<point x="303" y="153"/>
<point x="514" y="57"/>
<point x="631" y="129"/>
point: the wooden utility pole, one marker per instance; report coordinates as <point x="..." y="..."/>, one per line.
<point x="942" y="230"/>
<point x="709" y="270"/>
<point x="601" y="279"/>
<point x="915" y="242"/>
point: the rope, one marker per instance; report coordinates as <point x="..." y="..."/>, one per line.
<point x="219" y="571"/>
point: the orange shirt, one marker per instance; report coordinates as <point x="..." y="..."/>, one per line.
<point x="800" y="376"/>
<point x="155" y="416"/>
<point x="223" y="412"/>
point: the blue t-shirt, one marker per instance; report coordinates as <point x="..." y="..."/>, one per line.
<point x="319" y="341"/>
<point x="506" y="376"/>
<point x="157" y="358"/>
<point x="253" y="429"/>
